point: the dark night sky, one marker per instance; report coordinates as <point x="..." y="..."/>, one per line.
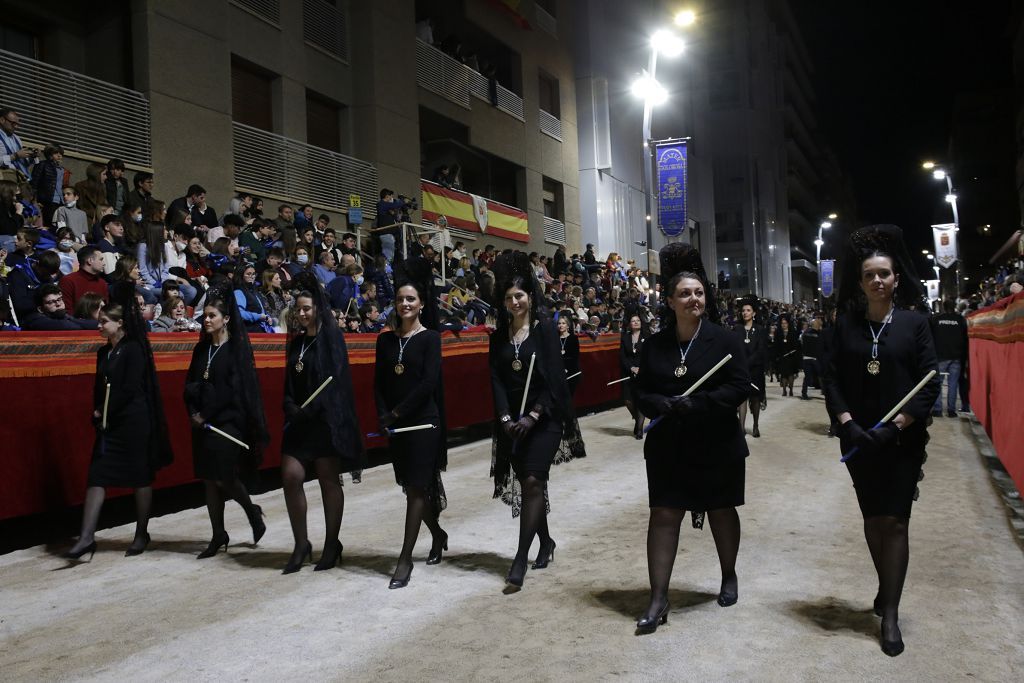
<point x="886" y="73"/>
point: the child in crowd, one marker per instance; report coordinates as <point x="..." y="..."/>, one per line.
<point x="69" y="215"/>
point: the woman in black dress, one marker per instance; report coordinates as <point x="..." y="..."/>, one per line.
<point x="787" y="354"/>
<point x="754" y="348"/>
<point x="630" y="343"/>
<point x="409" y="392"/>
<point x="133" y="443"/>
<point x="695" y="454"/>
<point x="878" y="353"/>
<point x="570" y="344"/>
<point x="222" y="391"/>
<point x="323" y="438"/>
<point x="525" y="446"/>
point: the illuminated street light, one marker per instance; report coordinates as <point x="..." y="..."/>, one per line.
<point x="939" y="174"/>
<point x="951" y="198"/>
<point x="650" y="91"/>
<point x="819" y="242"/>
<point x="928" y="165"/>
<point x="667" y="43"/>
<point x="833" y="216"/>
<point x="686" y="17"/>
<point x="826" y="225"/>
<point x="924" y="251"/>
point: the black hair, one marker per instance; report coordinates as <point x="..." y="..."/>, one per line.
<point x="141" y="177"/>
<point x="86" y="253"/>
<point x="193" y="190"/>
<point x="233" y="219"/>
<point x="48" y="289"/>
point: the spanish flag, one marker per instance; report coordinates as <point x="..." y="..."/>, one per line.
<point x="474" y="214"/>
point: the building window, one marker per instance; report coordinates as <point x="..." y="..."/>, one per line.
<point x="251" y="101"/>
<point x="547" y="87"/>
<point x="324" y="26"/>
<point x="269" y="10"/>
<point x="323" y="122"/>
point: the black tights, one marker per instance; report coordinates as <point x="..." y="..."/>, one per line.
<point x="638" y="417"/>
<point x="219" y="491"/>
<point x="533" y="521"/>
<point x="94" y="496"/>
<point x="293" y="476"/>
<point x="755" y="411"/>
<point x="418" y="510"/>
<point x="889" y="543"/>
<point x="663" y="544"/>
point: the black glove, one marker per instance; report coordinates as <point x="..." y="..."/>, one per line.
<point x="386" y="420"/>
<point x="882" y="437"/>
<point x="521" y="428"/>
<point x="683" y="405"/>
<point x="662" y="404"/>
<point x="855" y="434"/>
<point x="97" y="422"/>
<point x="508" y="426"/>
<point x="292" y="412"/>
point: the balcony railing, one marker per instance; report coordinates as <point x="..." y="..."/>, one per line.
<point x="272" y="165"/>
<point x="454" y="81"/>
<point x="84" y="115"/>
<point x="323" y="25"/>
<point x="550" y="125"/>
<point x="545" y="21"/>
<point x="269" y="10"/>
<point x="554" y="231"/>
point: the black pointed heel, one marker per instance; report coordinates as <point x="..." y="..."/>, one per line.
<point x="516" y="576"/>
<point x="437" y="548"/>
<point x="293" y="567"/>
<point x="646" y="625"/>
<point x="728" y="598"/>
<point x="91" y="549"/>
<point x="330" y="561"/>
<point x="400" y="583"/>
<point x="259" y="527"/>
<point x="893" y="648"/>
<point x="215" y="543"/>
<point x="545" y="555"/>
<point x="132" y="552"/>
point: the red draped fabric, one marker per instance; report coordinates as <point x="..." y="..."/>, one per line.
<point x="46" y="381"/>
<point x="997" y="379"/>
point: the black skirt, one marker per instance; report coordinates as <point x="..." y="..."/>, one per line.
<point x="308" y="440"/>
<point x="534" y="454"/>
<point x="120" y="455"/>
<point x="214" y="457"/>
<point x="698" y="487"/>
<point x="886" y="482"/>
<point x="414" y="456"/>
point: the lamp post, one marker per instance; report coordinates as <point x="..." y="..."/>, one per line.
<point x="939" y="173"/>
<point x="820" y="242"/>
<point x="653" y="93"/>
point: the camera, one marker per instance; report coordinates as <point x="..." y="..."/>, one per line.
<point x="408" y="204"/>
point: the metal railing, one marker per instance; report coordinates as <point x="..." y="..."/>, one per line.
<point x="554" y="231"/>
<point x="83" y="114"/>
<point x="479" y="86"/>
<point x="264" y="9"/>
<point x="323" y="25"/>
<point x="545" y="21"/>
<point x="439" y="73"/>
<point x="272" y="165"/>
<point x="550" y="125"/>
<point x="509" y="102"/>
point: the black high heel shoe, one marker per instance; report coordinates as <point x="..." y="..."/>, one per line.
<point x="516" y="575"/>
<point x="329" y="561"/>
<point x="91" y="549"/>
<point x="400" y="583"/>
<point x="646" y="625"/>
<point x="133" y="551"/>
<point x="215" y="543"/>
<point x="728" y="598"/>
<point x="893" y="648"/>
<point x="545" y="555"/>
<point x="293" y="567"/>
<point x="436" y="549"/>
<point x="259" y="527"/>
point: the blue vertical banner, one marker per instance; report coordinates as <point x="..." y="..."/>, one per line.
<point x="671" y="158"/>
<point x="828" y="267"/>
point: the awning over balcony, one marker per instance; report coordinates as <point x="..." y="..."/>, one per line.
<point x="472" y="213"/>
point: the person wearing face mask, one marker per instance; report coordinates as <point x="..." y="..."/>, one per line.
<point x="879" y="351"/>
<point x="65" y="250"/>
<point x="70" y="216"/>
<point x="300" y="261"/>
<point x="323" y="437"/>
<point x="344" y="289"/>
<point x="696" y="452"/>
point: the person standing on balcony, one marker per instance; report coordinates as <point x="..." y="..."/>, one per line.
<point x="48" y="180"/>
<point x="116" y="185"/>
<point x="143" y="192"/>
<point x="389" y="212"/>
<point x="286" y="227"/>
<point x="13" y="155"/>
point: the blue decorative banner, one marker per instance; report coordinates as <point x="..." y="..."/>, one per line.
<point x="671" y="157"/>
<point x="827" y="277"/>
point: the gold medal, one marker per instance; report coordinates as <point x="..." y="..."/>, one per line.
<point x="874" y="367"/>
<point x="517" y="365"/>
<point x="206" y="374"/>
<point x="680" y="371"/>
<point x="399" y="369"/>
<point x="299" y="366"/>
<point x="747" y="340"/>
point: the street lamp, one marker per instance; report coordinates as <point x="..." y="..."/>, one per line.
<point x="939" y="173"/>
<point x="653" y="93"/>
<point x="686" y="17"/>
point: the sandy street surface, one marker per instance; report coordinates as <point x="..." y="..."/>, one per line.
<point x="806" y="583"/>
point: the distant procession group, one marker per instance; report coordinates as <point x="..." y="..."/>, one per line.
<point x="691" y="379"/>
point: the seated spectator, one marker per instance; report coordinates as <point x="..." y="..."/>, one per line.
<point x="116" y="186"/>
<point x="195" y="262"/>
<point x="304" y="218"/>
<point x="420" y="246"/>
<point x="131" y="221"/>
<point x="48" y="180"/>
<point x="194" y="204"/>
<point x="255" y="241"/>
<point x="327" y="243"/>
<point x="89" y="306"/>
<point x="232" y="229"/>
<point x="273" y="292"/>
<point x="307" y="238"/>
<point x="173" y="316"/>
<point x="300" y="261"/>
<point x="152" y="257"/>
<point x="251" y="305"/>
<point x="155" y="211"/>
<point x="343" y="289"/>
<point x="88" y="277"/>
<point x="92" y="191"/>
<point x="286" y="227"/>
<point x="240" y="204"/>
<point x="127" y="270"/>
<point x="223" y="258"/>
<point x="372" y="323"/>
<point x="367" y="293"/>
<point x="142" y="190"/>
<point x="70" y="216"/>
<point x="275" y="262"/>
<point x="348" y="246"/>
<point x="28" y="276"/>
<point x="324" y="269"/>
<point x="383" y="280"/>
<point x="11" y="214"/>
<point x="66" y="251"/>
<point x="49" y="313"/>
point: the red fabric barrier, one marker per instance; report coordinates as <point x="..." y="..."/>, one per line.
<point x="997" y="379"/>
<point x="46" y="435"/>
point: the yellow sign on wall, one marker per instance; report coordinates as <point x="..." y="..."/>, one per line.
<point x="354" y="201"/>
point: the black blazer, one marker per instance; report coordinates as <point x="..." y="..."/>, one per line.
<point x="906" y="353"/>
<point x="756" y="350"/>
<point x="627" y="358"/>
<point x="571" y="354"/>
<point x="549" y="364"/>
<point x="711" y="433"/>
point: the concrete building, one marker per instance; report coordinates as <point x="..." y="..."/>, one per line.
<point x="309" y="101"/>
